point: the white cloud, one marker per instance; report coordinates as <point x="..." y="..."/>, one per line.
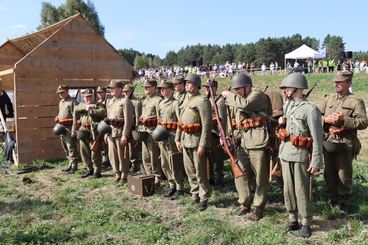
<point x="19" y="26"/>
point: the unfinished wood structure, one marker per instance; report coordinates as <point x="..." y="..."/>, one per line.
<point x="69" y="52"/>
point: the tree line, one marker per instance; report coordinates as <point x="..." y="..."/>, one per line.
<point x="265" y="50"/>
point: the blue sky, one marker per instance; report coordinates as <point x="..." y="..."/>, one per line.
<point x="160" y="26"/>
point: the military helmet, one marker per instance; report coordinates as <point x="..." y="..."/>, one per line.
<point x="139" y="136"/>
<point x="59" y="129"/>
<point x="103" y="128"/>
<point x="294" y="80"/>
<point x="83" y="134"/>
<point x="241" y="80"/>
<point x="160" y="133"/>
<point x="195" y="79"/>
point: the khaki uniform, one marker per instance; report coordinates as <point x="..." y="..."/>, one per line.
<point x="119" y="110"/>
<point x="218" y="155"/>
<point x="135" y="148"/>
<point x="87" y="121"/>
<point x="65" y="117"/>
<point x="340" y="143"/>
<point x="150" y="148"/>
<point x="302" y="119"/>
<point x="168" y="112"/>
<point x="253" y="155"/>
<point x="180" y="97"/>
<point x="196" y="109"/>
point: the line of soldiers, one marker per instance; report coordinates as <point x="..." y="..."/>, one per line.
<point x="177" y="131"/>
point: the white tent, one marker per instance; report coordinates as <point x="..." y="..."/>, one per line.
<point x="304" y="52"/>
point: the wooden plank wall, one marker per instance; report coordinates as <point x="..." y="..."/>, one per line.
<point x="9" y="55"/>
<point x="76" y="56"/>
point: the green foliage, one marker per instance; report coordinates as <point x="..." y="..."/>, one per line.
<point x="50" y="14"/>
<point x="334" y="47"/>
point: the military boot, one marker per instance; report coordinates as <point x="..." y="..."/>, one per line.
<point x="170" y="192"/>
<point x="87" y="174"/>
<point x="177" y="194"/>
<point x="67" y="169"/>
<point x="202" y="205"/>
<point x="305" y="231"/>
<point x="292" y="226"/>
<point x="256" y="215"/>
<point x="243" y="210"/>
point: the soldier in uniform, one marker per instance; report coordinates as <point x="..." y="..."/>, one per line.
<point x="65" y="117"/>
<point x="86" y="117"/>
<point x="300" y="151"/>
<point x="102" y="98"/>
<point x="216" y="153"/>
<point x="252" y="110"/>
<point x="194" y="137"/>
<point x="135" y="148"/>
<point x="168" y="114"/>
<point x="179" y="84"/>
<point x="119" y="118"/>
<point x="148" y="122"/>
<point x="344" y="113"/>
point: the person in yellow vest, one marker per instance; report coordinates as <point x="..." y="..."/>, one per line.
<point x="65" y="117"/>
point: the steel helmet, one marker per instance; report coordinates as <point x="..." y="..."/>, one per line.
<point x="139" y="136"/>
<point x="83" y="134"/>
<point x="241" y="80"/>
<point x="194" y="79"/>
<point x="103" y="128"/>
<point x="160" y="133"/>
<point x="295" y="80"/>
<point x="59" y="129"/>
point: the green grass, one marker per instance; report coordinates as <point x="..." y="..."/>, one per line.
<point x="65" y="209"/>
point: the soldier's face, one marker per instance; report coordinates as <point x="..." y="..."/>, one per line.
<point x="101" y="95"/>
<point x="166" y="92"/>
<point x="240" y="91"/>
<point x="149" y="90"/>
<point x="190" y="87"/>
<point x="179" y="87"/>
<point x="127" y="93"/>
<point x="63" y="95"/>
<point x="342" y="87"/>
<point x="88" y="99"/>
<point x="116" y="91"/>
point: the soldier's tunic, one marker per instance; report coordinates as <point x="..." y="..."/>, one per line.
<point x="302" y="119"/>
<point x="217" y="153"/>
<point x="105" y="148"/>
<point x="168" y="113"/>
<point x="87" y="121"/>
<point x="65" y="117"/>
<point x="339" y="147"/>
<point x="119" y="111"/>
<point x="152" y="164"/>
<point x="135" y="148"/>
<point x="253" y="156"/>
<point x="196" y="109"/>
<point x="180" y="96"/>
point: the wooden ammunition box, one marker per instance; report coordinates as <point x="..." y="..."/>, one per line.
<point x="142" y="185"/>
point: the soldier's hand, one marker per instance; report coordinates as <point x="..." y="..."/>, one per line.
<point x="178" y="146"/>
<point x="123" y="140"/>
<point x="200" y="151"/>
<point x="329" y="119"/>
<point x="56" y="119"/>
<point x="73" y="135"/>
<point x="313" y="170"/>
<point x="225" y="93"/>
<point x="338" y="117"/>
<point x="105" y="138"/>
<point x="282" y="121"/>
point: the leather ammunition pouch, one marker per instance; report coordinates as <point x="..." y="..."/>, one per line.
<point x="299" y="141"/>
<point x="115" y="122"/>
<point x="283" y="134"/>
<point x="167" y="124"/>
<point x="252" y="123"/>
<point x="190" y="128"/>
<point x="66" y="122"/>
<point x="149" y="122"/>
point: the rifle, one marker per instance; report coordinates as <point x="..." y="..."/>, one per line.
<point x="96" y="144"/>
<point x="310" y="90"/>
<point x="225" y="139"/>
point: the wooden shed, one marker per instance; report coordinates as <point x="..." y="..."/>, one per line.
<point x="69" y="52"/>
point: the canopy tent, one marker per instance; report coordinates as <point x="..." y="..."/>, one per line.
<point x="304" y="52"/>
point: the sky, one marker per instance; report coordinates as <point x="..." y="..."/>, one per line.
<point x="156" y="27"/>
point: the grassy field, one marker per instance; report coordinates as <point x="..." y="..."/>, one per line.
<point x="49" y="206"/>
